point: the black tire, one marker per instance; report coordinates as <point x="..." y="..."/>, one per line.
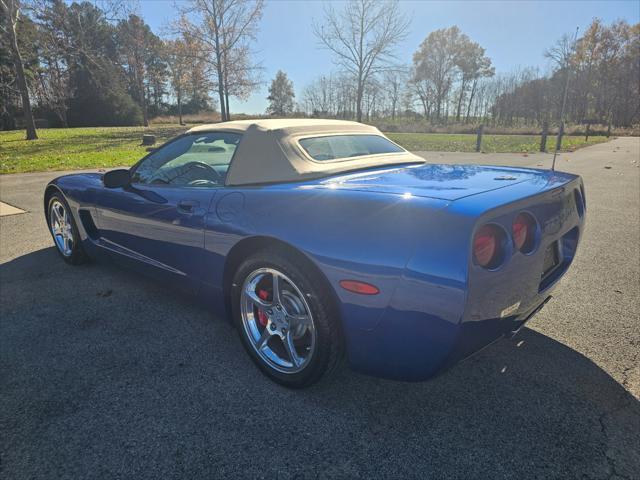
<point x="329" y="346"/>
<point x="77" y="255"/>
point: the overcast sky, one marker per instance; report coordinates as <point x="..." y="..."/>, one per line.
<point x="514" y="33"/>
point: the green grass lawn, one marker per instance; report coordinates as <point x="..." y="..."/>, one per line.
<point x="77" y="148"/>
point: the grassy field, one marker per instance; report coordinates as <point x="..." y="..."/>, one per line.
<point x="441" y="142"/>
<point x="77" y="148"/>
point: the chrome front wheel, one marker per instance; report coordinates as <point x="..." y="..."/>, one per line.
<point x="61" y="228"/>
<point x="64" y="230"/>
<point x="277" y="320"/>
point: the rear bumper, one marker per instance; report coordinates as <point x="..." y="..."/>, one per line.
<point x="411" y="347"/>
<point x="475" y="336"/>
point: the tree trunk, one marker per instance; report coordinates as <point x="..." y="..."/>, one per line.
<point x="137" y="71"/>
<point x="145" y="113"/>
<point x="60" y="102"/>
<point x="156" y="96"/>
<point x="473" y="91"/>
<point x="179" y="95"/>
<point x="462" y="87"/>
<point x="360" y="91"/>
<point x="223" y="110"/>
<point x="438" y="103"/>
<point x="22" y="85"/>
<point x="220" y="73"/>
<point x="359" y="100"/>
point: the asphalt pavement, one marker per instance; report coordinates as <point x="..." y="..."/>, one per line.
<point x="105" y="374"/>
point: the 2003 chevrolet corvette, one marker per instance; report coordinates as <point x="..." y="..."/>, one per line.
<point x="324" y="238"/>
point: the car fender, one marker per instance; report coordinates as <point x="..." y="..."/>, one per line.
<point x="79" y="191"/>
<point x="352" y="235"/>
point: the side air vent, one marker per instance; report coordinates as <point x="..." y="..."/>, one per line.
<point x="88" y="224"/>
<point x="579" y="202"/>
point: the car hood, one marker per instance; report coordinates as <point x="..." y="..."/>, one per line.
<point x="444" y="182"/>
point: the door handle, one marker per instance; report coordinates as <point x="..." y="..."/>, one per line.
<point x="188" y="206"/>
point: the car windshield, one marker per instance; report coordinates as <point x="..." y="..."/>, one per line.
<point x="335" y="147"/>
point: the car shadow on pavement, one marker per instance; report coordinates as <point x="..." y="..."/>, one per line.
<point x="105" y="373"/>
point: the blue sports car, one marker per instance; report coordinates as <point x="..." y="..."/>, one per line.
<point x="324" y="239"/>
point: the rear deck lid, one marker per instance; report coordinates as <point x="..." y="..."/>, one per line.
<point x="445" y="182"/>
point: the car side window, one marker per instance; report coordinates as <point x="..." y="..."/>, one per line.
<point x="193" y="160"/>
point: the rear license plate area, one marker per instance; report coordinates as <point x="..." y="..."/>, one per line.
<point x="551" y="259"/>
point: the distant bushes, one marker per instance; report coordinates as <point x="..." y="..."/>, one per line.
<point x="202" y="117"/>
<point x="104" y="109"/>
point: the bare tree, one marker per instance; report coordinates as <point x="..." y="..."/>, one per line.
<point x="436" y="62"/>
<point x="371" y="100"/>
<point x="178" y="64"/>
<point x="394" y="81"/>
<point x="562" y="53"/>
<point x="137" y="44"/>
<point x="422" y="88"/>
<point x="362" y="38"/>
<point x="473" y="64"/>
<point x="319" y="97"/>
<point x="481" y="69"/>
<point x="241" y="76"/>
<point x="225" y="28"/>
<point x="11" y="12"/>
<point x="53" y="75"/>
<point x="408" y="101"/>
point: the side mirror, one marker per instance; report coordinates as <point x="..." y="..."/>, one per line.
<point x="116" y="178"/>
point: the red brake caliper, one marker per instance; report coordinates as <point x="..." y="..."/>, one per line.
<point x="262" y="316"/>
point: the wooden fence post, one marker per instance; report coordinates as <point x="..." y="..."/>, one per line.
<point x="560" y="135"/>
<point x="543" y="139"/>
<point x="479" y="139"/>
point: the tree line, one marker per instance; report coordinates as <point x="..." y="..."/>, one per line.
<point x="76" y="64"/>
<point x="452" y="80"/>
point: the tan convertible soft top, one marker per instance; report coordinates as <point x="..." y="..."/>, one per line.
<point x="269" y="150"/>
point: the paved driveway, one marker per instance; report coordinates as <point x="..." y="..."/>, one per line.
<point x="104" y="374"/>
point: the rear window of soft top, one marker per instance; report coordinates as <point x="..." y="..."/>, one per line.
<point x="339" y="147"/>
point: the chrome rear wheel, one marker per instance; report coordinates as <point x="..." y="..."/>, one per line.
<point x="277" y="320"/>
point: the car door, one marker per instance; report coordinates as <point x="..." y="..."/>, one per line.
<point x="157" y="221"/>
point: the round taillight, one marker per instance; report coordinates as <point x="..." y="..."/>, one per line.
<point x="487" y="246"/>
<point x="524" y="232"/>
